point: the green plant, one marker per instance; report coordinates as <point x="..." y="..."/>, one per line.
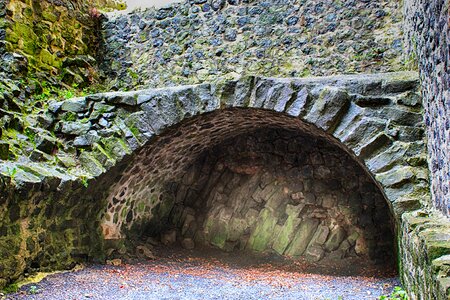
<point x="11" y="172"/>
<point x="67" y="94"/>
<point x="134" y="130"/>
<point x="12" y="288"/>
<point x="33" y="290"/>
<point x="69" y="116"/>
<point x="84" y="181"/>
<point x="30" y="134"/>
<point x="397" y="294"/>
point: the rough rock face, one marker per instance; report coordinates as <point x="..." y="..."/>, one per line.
<point x="427" y="35"/>
<point x="54" y="36"/>
<point x="79" y="175"/>
<point x="200" y="41"/>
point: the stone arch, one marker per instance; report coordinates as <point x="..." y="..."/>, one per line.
<point x="148" y="193"/>
<point x="376" y="119"/>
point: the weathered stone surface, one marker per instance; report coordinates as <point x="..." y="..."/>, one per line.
<point x="4" y="150"/>
<point x="264" y="38"/>
<point x="75" y="128"/>
<point x="335" y="238"/>
<point x="90" y="164"/>
<point x="396" y="176"/>
<point x="424" y="250"/>
<point x="145" y="252"/>
<point x="286" y="234"/>
<point x="261" y="236"/>
<point x="298" y="106"/>
<point x="302" y="237"/>
<point x="373" y="146"/>
<point x="328" y="108"/>
<point x="126" y="98"/>
<point x="88" y="139"/>
<point x="315" y="253"/>
<point x="46" y="143"/>
<point x="75" y="105"/>
<point x="254" y="51"/>
<point x="158" y="127"/>
<point x="426" y="36"/>
<point x="169" y="237"/>
<point x="188" y="243"/>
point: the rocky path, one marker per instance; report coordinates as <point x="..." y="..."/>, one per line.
<point x="191" y="276"/>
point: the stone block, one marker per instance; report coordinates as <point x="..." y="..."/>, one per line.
<point x="75" y="128"/>
<point x="298" y="107"/>
<point x="335" y="238"/>
<point x="286" y="234"/>
<point x="262" y="234"/>
<point x="169" y="237"/>
<point x="321" y="235"/>
<point x="4" y="150"/>
<point x="396" y="177"/>
<point x="328" y="108"/>
<point x="75" y="105"/>
<point x="314" y="253"/>
<point x="187" y="243"/>
<point x="124" y="98"/>
<point x="302" y="238"/>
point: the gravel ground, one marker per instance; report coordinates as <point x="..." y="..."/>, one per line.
<point x="191" y="276"/>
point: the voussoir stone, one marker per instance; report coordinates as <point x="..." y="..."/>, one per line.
<point x="328" y="108"/>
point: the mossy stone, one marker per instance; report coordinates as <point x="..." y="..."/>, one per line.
<point x="302" y="238"/>
<point x="262" y="234"/>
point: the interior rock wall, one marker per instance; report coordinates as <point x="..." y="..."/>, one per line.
<point x="273" y="190"/>
<point x="427" y="35"/>
<point x="198" y="41"/>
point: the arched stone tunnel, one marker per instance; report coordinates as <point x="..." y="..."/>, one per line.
<point x="252" y="179"/>
<point x="319" y="168"/>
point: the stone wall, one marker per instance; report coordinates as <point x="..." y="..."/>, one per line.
<point x="124" y="141"/>
<point x="425" y="235"/>
<point x="425" y="253"/>
<point x="201" y="41"/>
<point x="427" y="35"/>
<point x="49" y="51"/>
<point x="3" y="25"/>
<point x="54" y="36"/>
<point x="44" y="226"/>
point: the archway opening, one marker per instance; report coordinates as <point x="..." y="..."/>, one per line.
<point x="253" y="181"/>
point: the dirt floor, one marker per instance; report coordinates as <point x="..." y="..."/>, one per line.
<point x="195" y="274"/>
